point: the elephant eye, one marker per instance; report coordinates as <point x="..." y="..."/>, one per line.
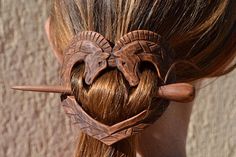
<point x="123" y="62"/>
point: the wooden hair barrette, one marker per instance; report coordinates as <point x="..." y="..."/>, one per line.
<point x="92" y="49"/>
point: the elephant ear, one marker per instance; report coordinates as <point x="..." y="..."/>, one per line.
<point x="138" y="46"/>
<point x="88" y="47"/>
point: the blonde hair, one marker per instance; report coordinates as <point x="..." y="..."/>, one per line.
<point x="199" y="31"/>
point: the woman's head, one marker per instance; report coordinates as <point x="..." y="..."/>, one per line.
<point x="199" y="31"/>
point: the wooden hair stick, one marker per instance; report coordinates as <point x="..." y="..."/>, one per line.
<point x="179" y="92"/>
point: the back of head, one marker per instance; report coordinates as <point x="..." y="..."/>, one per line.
<point x="192" y="27"/>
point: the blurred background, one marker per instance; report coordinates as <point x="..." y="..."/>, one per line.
<point x="34" y="124"/>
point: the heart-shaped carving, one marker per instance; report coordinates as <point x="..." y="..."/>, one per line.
<point x="127" y="54"/>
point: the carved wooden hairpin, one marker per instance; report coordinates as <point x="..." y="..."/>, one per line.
<point x="92" y="49"/>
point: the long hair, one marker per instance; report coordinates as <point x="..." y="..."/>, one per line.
<point x="200" y="31"/>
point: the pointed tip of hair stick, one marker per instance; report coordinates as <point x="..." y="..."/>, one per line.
<point x="44" y="88"/>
